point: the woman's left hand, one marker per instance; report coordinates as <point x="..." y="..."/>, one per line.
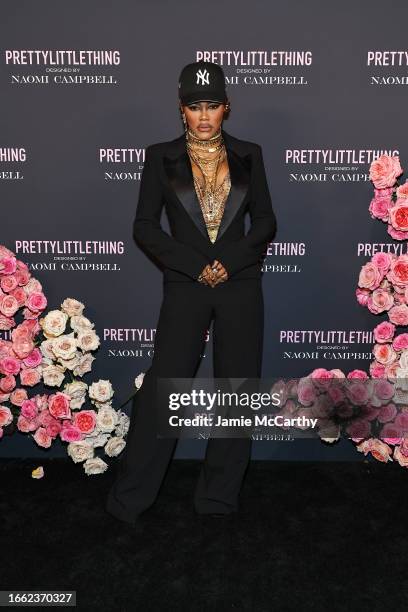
<point x="220" y="273"/>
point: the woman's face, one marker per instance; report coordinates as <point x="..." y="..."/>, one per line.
<point x="204" y="118"/>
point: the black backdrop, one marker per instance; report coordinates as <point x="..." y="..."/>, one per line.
<point x="86" y="86"/>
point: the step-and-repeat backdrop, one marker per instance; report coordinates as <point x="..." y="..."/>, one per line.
<point x="87" y="86"/>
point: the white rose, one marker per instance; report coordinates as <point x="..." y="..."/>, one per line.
<point x="95" y="466"/>
<point x="80" y="323"/>
<point x="115" y="446"/>
<point x="54" y="323"/>
<point x="46" y="349"/>
<point x="403" y="360"/>
<point x="101" y="391"/>
<point x="85" y="364"/>
<point x="65" y="346"/>
<point x="71" y="364"/>
<point x="139" y="380"/>
<point x="401" y="382"/>
<point x="88" y="340"/>
<point x="33" y="286"/>
<point x="77" y="392"/>
<point x="123" y="424"/>
<point x="72" y="307"/>
<point x="80" y="451"/>
<point x="53" y="375"/>
<point x="106" y="419"/>
<point x="98" y="440"/>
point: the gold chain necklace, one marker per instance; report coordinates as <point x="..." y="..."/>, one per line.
<point x="212" y="198"/>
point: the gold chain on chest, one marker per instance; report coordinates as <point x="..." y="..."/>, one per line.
<point x="212" y="197"/>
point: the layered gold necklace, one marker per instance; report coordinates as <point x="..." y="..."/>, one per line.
<point x="212" y="198"/>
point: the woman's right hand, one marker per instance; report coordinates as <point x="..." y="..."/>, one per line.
<point x="212" y="275"/>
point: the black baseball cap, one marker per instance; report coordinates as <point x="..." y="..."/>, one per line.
<point x="202" y="81"/>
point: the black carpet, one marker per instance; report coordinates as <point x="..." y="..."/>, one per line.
<point x="309" y="536"/>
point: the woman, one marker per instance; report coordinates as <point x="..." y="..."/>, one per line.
<point x="207" y="180"/>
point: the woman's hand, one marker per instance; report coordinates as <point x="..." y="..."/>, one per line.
<point x="213" y="274"/>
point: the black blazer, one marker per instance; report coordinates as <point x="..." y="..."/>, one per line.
<point x="167" y="179"/>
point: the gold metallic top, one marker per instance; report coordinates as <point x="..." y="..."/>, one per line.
<point x="212" y="197"/>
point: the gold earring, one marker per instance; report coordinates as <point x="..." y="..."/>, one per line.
<point x="184" y="121"/>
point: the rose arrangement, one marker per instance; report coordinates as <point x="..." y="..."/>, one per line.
<point x="383" y="286"/>
<point x="390" y="201"/>
<point x="371" y="412"/>
<point x="20" y="358"/>
<point x="54" y="349"/>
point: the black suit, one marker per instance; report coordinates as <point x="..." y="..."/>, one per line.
<point x="236" y="306"/>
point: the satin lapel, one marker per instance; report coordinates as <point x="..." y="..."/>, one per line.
<point x="239" y="176"/>
<point x="180" y="176"/>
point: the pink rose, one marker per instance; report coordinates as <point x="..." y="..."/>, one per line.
<point x="391" y="369"/>
<point x="369" y="412"/>
<point x="390" y="431"/>
<point x="58" y="405"/>
<point x="18" y="396"/>
<point x="400" y="342"/>
<point x="385" y="170"/>
<point x="359" y="428"/>
<point x="404" y="446"/>
<point x="387" y="413"/>
<point x="7" y="383"/>
<point x="396" y="234"/>
<point x="383" y="389"/>
<point x="380" y="451"/>
<point x="360" y="374"/>
<point x="26" y="425"/>
<point x="20" y="296"/>
<point x="85" y="420"/>
<point x="382" y="260"/>
<point x="399" y="315"/>
<point x="9" y="365"/>
<point x="8" y="305"/>
<point x="7" y="264"/>
<point x="402" y="190"/>
<point x="42" y="438"/>
<point x="398" y="272"/>
<point x="384" y="332"/>
<point x="23" y="276"/>
<point x="398" y="216"/>
<point x="36" y="301"/>
<point x="336" y="394"/>
<point x="379" y="208"/>
<point x="400" y="458"/>
<point x="31" y="326"/>
<point x="362" y="296"/>
<point x="380" y="301"/>
<point x="377" y="370"/>
<point x="23" y="346"/>
<point x="8" y="283"/>
<point x="384" y="353"/>
<point x="6" y="323"/>
<point x="29" y="377"/>
<point x="33" y="359"/>
<point x="321" y="377"/>
<point x="401" y="421"/>
<point x="5" y="416"/>
<point x="29" y="409"/>
<point x="370" y="276"/>
<point x="70" y="433"/>
<point x="358" y="392"/>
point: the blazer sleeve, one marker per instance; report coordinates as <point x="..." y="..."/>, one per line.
<point x="148" y="232"/>
<point x="249" y="250"/>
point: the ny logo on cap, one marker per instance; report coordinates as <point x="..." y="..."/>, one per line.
<point x="203" y="76"/>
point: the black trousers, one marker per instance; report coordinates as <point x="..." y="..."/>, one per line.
<point x="237" y="308"/>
